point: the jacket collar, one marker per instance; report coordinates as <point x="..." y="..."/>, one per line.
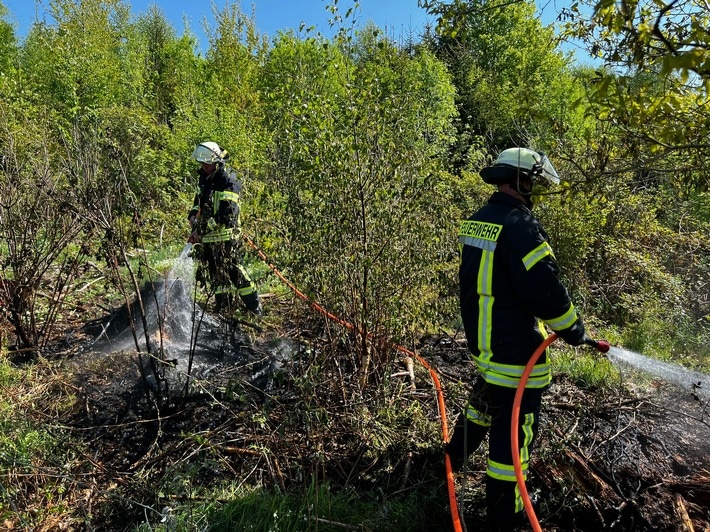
<point x="507" y="199"/>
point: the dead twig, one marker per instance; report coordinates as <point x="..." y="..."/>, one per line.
<point x="685" y="522"/>
<point x="335" y="523"/>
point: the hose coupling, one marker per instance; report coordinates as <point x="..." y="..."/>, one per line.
<point x="600" y="345"/>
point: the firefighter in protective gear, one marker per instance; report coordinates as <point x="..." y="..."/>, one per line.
<point x="216" y="231"/>
<point x="509" y="293"/>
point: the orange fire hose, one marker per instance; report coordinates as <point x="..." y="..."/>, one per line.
<point x="514" y="431"/>
<point x="453" y="505"/>
<point x="600" y="345"/>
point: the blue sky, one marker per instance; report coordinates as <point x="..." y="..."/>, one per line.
<point x="398" y="17"/>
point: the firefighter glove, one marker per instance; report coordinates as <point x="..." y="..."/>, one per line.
<point x="574" y="335"/>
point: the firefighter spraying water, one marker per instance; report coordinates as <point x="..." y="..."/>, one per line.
<point x="216" y="232"/>
<point x="509" y="293"/>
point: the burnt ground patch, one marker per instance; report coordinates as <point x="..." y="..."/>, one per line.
<point x="617" y="459"/>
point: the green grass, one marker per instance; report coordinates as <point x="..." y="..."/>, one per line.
<point x="318" y="508"/>
<point x="586" y="366"/>
<point x="685" y="343"/>
<point x="162" y="259"/>
<point x="589" y="370"/>
<point x="24" y="445"/>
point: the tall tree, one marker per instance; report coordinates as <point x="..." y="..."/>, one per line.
<point x="217" y="97"/>
<point x="652" y="95"/>
<point x="639" y="33"/>
<point x="655" y="85"/>
<point x="8" y="42"/>
<point x="513" y="85"/>
<point x="166" y="63"/>
<point x="74" y="65"/>
<point x="360" y="128"/>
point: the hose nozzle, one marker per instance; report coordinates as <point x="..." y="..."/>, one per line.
<point x="600" y="345"/>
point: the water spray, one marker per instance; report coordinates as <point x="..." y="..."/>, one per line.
<point x="695" y="382"/>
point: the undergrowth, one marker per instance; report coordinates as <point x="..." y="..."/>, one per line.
<point x="41" y="482"/>
<point x="33" y="484"/>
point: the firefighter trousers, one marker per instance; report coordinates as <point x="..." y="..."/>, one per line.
<point x="489" y="412"/>
<point x="227" y="276"/>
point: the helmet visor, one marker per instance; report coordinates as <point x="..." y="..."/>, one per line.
<point x="548" y="176"/>
<point x="207" y="152"/>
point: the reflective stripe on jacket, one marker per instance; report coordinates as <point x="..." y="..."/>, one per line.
<point x="509" y="288"/>
<point x="217" y="201"/>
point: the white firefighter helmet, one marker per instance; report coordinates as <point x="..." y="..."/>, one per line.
<point x="514" y="162"/>
<point x="208" y="152"/>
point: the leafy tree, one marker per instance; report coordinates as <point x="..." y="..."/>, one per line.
<point x="641" y="33"/>
<point x="359" y="131"/>
<point x="95" y="71"/>
<point x="74" y="66"/>
<point x="651" y="98"/>
<point x="229" y="108"/>
<point x="8" y="42"/>
<point x="165" y="62"/>
<point x="513" y="86"/>
<point x="655" y="87"/>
